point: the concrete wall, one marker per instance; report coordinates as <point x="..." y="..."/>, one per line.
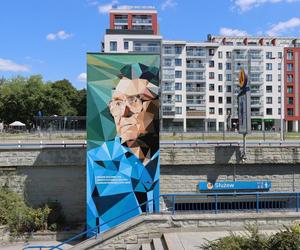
<point x="43" y="175"/>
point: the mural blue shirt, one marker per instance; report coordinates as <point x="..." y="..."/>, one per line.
<point x="119" y="184"/>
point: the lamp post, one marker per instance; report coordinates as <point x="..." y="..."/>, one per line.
<point x="281" y="97"/>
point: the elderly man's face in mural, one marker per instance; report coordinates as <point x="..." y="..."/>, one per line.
<point x="134" y="107"/>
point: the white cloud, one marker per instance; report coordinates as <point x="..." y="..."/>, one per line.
<point x="232" y="32"/>
<point x="105" y="8"/>
<point x="245" y="5"/>
<point x="283" y="27"/>
<point x="81" y="77"/>
<point x="168" y="4"/>
<point x="8" y="65"/>
<point x="61" y="35"/>
<point x="92" y="2"/>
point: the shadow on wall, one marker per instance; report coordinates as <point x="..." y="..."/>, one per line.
<point x="57" y="175"/>
<point x="225" y="154"/>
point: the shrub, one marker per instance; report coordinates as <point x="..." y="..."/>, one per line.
<point x="285" y="240"/>
<point x="21" y="218"/>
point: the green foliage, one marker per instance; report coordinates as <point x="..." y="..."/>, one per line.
<point x="287" y="239"/>
<point x="21" y="218"/>
<point x="21" y="99"/>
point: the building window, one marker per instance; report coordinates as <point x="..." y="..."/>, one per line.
<point x="228" y="66"/>
<point x="211" y="75"/>
<point x="178" y="110"/>
<point x="269" y="111"/>
<point x="290" y="111"/>
<point x="211" y="110"/>
<point x="279" y="66"/>
<point x="228" y="111"/>
<point x="178" y="49"/>
<point x="290" y="55"/>
<point x="228" y="77"/>
<point x="178" y="86"/>
<point x="279" y="99"/>
<point x="126" y="45"/>
<point x="269" y="89"/>
<point x="178" y="74"/>
<point x="211" y="52"/>
<point x="211" y="87"/>
<point x="178" y="62"/>
<point x="211" y="63"/>
<point x="178" y="98"/>
<point x="220" y="99"/>
<point x="268" y="77"/>
<point x="280" y="55"/>
<point x="279" y="77"/>
<point x="220" y="88"/>
<point x="220" y="77"/>
<point x="279" y="89"/>
<point x="211" y="98"/>
<point x="289" y="78"/>
<point x="228" y="54"/>
<point x="268" y="66"/>
<point x="279" y="111"/>
<point x="113" y="46"/>
<point x="228" y="89"/>
<point x="220" y="66"/>
<point x="289" y="67"/>
<point x="290" y="90"/>
<point x="269" y="100"/>
<point x="228" y="100"/>
<point x="220" y="111"/>
<point x="167" y="62"/>
<point x="220" y="54"/>
<point x="268" y="55"/>
<point x="290" y="100"/>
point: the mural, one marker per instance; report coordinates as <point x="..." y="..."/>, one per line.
<point x="123" y="137"/>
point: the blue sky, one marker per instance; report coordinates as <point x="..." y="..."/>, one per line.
<point x="51" y="37"/>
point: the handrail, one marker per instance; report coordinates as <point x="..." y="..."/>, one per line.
<point x="95" y="229"/>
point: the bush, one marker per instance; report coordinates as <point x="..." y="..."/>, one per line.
<point x="21" y="218"/>
<point x="287" y="239"/>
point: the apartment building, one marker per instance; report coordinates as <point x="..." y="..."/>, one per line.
<point x="199" y="80"/>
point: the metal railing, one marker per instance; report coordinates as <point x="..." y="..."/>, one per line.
<point x="205" y="203"/>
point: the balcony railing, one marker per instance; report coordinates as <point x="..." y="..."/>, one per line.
<point x="196" y="53"/>
<point x="121" y="21"/>
<point x="149" y="49"/>
<point x="196" y="78"/>
<point x="195" y="113"/>
<point x="256" y="57"/>
<point x="256" y="80"/>
<point x="168" y="51"/>
<point x="141" y="21"/>
<point x="256" y="103"/>
<point x="168" y="88"/>
<point x="168" y="77"/>
<point x="256" y="113"/>
<point x="195" y="89"/>
<point x="240" y="57"/>
<point x="195" y="102"/>
<point x="195" y="65"/>
<point x="168" y="101"/>
<point x="168" y="113"/>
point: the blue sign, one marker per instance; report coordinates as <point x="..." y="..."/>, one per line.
<point x="235" y="185"/>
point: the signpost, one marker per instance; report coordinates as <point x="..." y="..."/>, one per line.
<point x="235" y="185"/>
<point x="244" y="109"/>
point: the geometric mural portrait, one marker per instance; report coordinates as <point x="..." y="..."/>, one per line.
<point x="122" y="137"/>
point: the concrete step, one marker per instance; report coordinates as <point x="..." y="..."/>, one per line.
<point x="146" y="246"/>
<point x="158" y="244"/>
<point x="172" y="241"/>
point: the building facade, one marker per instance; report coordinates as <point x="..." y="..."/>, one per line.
<point x="199" y="80"/>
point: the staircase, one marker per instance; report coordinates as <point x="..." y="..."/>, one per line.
<point x="168" y="241"/>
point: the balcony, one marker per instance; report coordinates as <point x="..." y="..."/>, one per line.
<point x="195" y="113"/>
<point x="168" y="102"/>
<point x="195" y="102"/>
<point x="138" y="21"/>
<point x="121" y="21"/>
<point x="195" y="89"/>
<point x="168" y="89"/>
<point x="168" y="51"/>
<point x="256" y="103"/>
<point x="147" y="49"/>
<point x="167" y="77"/>
<point x="256" y="80"/>
<point x="256" y="57"/>
<point x="195" y="65"/>
<point x="240" y="57"/>
<point x="256" y="113"/>
<point x="195" y="78"/>
<point x="256" y="92"/>
<point x="193" y="53"/>
<point x="168" y="113"/>
<point x="256" y="69"/>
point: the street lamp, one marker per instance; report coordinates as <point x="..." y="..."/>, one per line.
<point x="281" y="96"/>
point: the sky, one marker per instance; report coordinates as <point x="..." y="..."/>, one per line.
<point x="52" y="37"/>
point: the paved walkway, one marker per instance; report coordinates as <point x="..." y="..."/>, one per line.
<point x="20" y="245"/>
